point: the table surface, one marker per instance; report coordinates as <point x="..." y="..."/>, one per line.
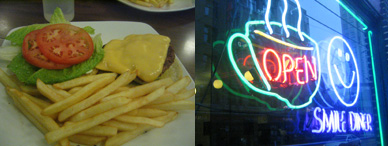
<point x="179" y="26"/>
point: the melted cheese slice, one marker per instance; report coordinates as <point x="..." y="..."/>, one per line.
<point x="144" y="54"/>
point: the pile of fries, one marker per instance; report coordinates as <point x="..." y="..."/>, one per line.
<point x="153" y="3"/>
<point x="99" y="108"/>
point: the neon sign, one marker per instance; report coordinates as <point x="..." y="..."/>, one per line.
<point x="300" y="67"/>
<point x="304" y="68"/>
<point x="275" y="60"/>
<point x="303" y="64"/>
<point x="273" y="65"/>
<point x="333" y="121"/>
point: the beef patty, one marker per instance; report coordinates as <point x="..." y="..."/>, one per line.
<point x="169" y="59"/>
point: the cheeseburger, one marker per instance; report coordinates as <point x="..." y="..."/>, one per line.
<point x="149" y="55"/>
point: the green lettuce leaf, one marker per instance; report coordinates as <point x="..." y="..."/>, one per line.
<point x="28" y="73"/>
<point x="89" y="29"/>
<point x="17" y="36"/>
<point x="21" y="68"/>
<point x="58" y="17"/>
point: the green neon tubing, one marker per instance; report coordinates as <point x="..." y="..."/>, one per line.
<point x="246" y="96"/>
<point x="375" y="84"/>
<point x="218" y="42"/>
<point x="253" y="57"/>
<point x="297" y="95"/>
<point x="354" y="15"/>
<point x="253" y="54"/>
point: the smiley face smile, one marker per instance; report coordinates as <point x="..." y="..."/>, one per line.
<point x="347" y="58"/>
<point x="340" y="78"/>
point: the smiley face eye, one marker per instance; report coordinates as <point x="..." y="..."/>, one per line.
<point x="347" y="57"/>
<point x="339" y="52"/>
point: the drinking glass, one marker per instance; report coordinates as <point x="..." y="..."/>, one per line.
<point x="67" y="7"/>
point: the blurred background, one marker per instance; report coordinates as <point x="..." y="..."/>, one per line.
<point x="231" y="111"/>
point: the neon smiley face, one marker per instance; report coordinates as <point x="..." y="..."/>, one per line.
<point x="348" y="58"/>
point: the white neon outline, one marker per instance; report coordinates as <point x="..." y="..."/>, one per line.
<point x="350" y="113"/>
<point x="344" y="122"/>
<point x="331" y="77"/>
<point x="334" y="121"/>
<point x="340" y="78"/>
<point x="266" y="17"/>
<point x="330" y="121"/>
<point x="284" y="19"/>
<point x="299" y="20"/>
<point x="321" y="128"/>
<point x="336" y="124"/>
<point x="362" y="124"/>
<point x="340" y="53"/>
<point x="369" y="121"/>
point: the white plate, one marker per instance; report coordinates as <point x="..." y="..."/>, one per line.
<point x="15" y="129"/>
<point x="178" y="5"/>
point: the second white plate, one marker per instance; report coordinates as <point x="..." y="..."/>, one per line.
<point x="178" y="5"/>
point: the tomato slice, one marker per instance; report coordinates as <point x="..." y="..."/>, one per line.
<point x="65" y="43"/>
<point x="32" y="54"/>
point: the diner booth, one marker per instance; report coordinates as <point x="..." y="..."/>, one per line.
<point x="291" y="72"/>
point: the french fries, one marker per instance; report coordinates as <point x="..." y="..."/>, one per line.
<point x="99" y="108"/>
<point x="31" y="90"/>
<point x="12" y="92"/>
<point x="153" y="3"/>
<point x="66" y="131"/>
<point x="168" y="97"/>
<point x="179" y="85"/>
<point x="122" y="80"/>
<point x="35" y="111"/>
<point x="174" y="105"/>
<point x="80" y="95"/>
<point x="41" y="103"/>
<point x="86" y="139"/>
<point x="101" y="131"/>
<point x="81" y="81"/>
<point x="121" y="126"/>
<point x="74" y="90"/>
<point x="123" y="137"/>
<point x="139" y="120"/>
<point x="140" y="90"/>
<point x="7" y="81"/>
<point x="60" y="92"/>
<point x="48" y="92"/>
<point x="147" y="112"/>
